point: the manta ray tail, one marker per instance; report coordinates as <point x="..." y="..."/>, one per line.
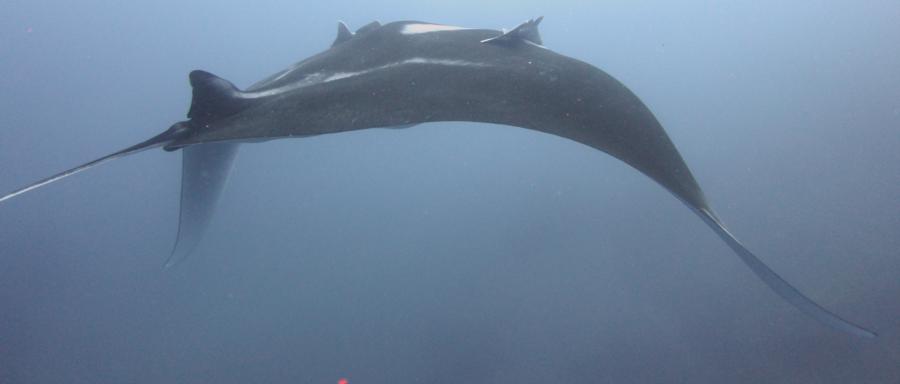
<point x="776" y="283"/>
<point x="168" y="136"/>
<point x="205" y="168"/>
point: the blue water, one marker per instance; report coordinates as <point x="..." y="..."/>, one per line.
<point x="453" y="253"/>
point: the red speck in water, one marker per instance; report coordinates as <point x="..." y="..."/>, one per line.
<point x="343" y="381"/>
<point x="29" y="30"/>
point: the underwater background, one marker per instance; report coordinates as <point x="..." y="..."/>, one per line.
<point x="454" y="252"/>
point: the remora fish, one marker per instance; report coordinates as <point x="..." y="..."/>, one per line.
<point x="407" y="73"/>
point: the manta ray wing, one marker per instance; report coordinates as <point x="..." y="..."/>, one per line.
<point x="205" y="169"/>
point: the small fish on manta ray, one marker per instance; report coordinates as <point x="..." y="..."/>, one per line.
<point x="407" y="73"/>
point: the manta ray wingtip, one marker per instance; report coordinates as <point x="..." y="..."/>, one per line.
<point x="775" y="282"/>
<point x="179" y="253"/>
<point x="205" y="169"/>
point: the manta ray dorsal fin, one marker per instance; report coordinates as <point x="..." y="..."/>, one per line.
<point x="527" y="31"/>
<point x="368" y="28"/>
<point x="214" y="97"/>
<point x="343" y="35"/>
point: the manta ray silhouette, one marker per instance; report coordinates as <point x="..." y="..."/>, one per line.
<point x="407" y="73"/>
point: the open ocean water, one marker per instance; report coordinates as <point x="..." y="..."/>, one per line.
<point x="453" y="252"/>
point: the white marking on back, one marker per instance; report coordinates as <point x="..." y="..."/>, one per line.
<point x="413" y="29"/>
<point x="414" y="60"/>
<point x="319" y="77"/>
<point x="536" y="44"/>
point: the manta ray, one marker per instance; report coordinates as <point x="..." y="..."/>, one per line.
<point x="407" y="73"/>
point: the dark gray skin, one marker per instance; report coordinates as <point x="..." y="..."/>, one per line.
<point x="518" y="84"/>
<point x="384" y="76"/>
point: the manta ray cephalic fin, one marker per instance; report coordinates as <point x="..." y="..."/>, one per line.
<point x="343" y="35"/>
<point x="368" y="27"/>
<point x="527" y="31"/>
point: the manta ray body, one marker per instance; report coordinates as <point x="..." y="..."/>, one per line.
<point x="408" y="73"/>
